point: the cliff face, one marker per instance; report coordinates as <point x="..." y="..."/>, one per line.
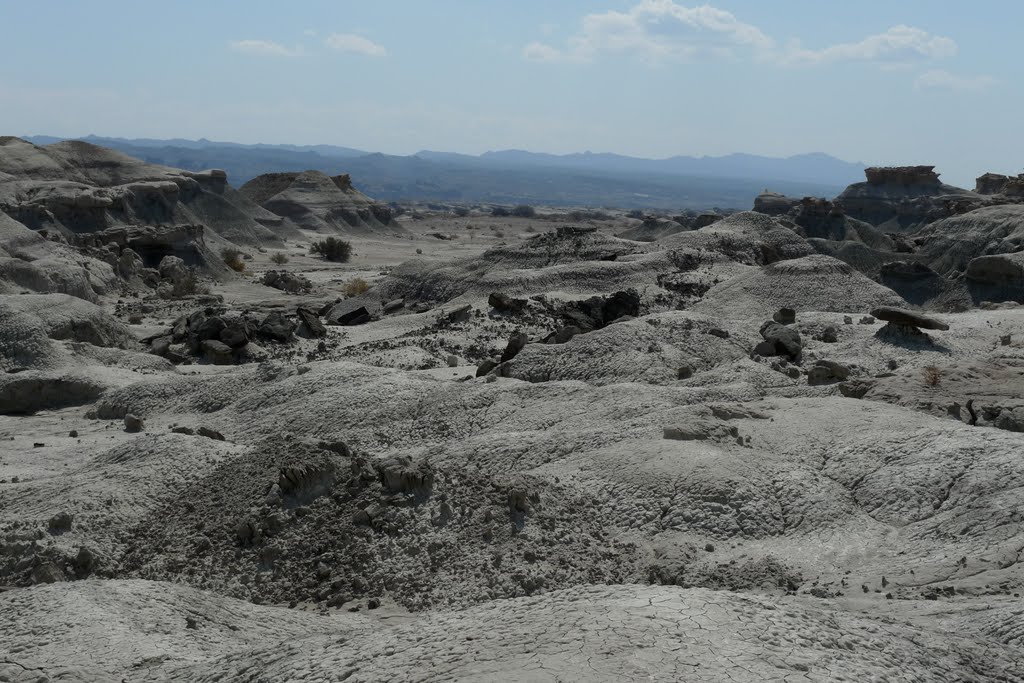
<point x="997" y="184"/>
<point x="321" y="203"/>
<point x="74" y="188"/>
<point x="903" y="198"/>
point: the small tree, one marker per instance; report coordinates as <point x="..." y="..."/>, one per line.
<point x="461" y="211"/>
<point x="333" y="249"/>
<point x="499" y="211"/>
<point x="524" y="211"/>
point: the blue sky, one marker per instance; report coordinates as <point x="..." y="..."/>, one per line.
<point x="889" y="82"/>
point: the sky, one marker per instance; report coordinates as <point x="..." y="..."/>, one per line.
<point x="886" y="82"/>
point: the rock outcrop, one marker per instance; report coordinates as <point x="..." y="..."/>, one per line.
<point x="900" y="199"/>
<point x="321" y="203"/>
<point x="91" y="196"/>
<point x="998" y="184"/>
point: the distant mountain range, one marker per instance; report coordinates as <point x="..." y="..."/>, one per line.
<point x="515" y="176"/>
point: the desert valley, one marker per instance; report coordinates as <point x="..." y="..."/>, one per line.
<point x="280" y="431"/>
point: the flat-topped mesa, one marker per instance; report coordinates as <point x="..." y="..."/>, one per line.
<point x="902" y="175"/>
<point x="997" y="183"/>
<point x="990" y="183"/>
<point x="321" y="203"/>
<point x="903" y="198"/>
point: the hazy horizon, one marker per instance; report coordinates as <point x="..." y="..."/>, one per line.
<point x="878" y="83"/>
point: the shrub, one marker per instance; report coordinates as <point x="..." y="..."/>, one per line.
<point x="499" y="211"/>
<point x="356" y="286"/>
<point x="233" y="258"/>
<point x="419" y="251"/>
<point x="524" y="211"/>
<point x="187" y="285"/>
<point x="461" y="211"/>
<point x="932" y="376"/>
<point x="333" y="249"/>
<point x="279" y="258"/>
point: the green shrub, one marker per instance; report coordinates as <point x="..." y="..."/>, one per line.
<point x="279" y="258"/>
<point x="333" y="249"/>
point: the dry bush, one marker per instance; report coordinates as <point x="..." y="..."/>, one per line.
<point x="188" y="285"/>
<point x="333" y="249"/>
<point x="233" y="258"/>
<point x="932" y="376"/>
<point x="356" y="286"/>
<point x="279" y="258"/>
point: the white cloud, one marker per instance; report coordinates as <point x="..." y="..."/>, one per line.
<point x="350" y="42"/>
<point x="265" y="47"/>
<point x="656" y="30"/>
<point x="899" y="45"/>
<point x="661" y="30"/>
<point x="940" y="79"/>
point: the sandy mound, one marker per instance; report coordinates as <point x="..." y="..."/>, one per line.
<point x="652" y="350"/>
<point x="748" y="237"/>
<point x="812" y="283"/>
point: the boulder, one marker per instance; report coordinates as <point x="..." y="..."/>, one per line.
<point x="355" y="311"/>
<point x="217" y="352"/>
<point x="460" y="314"/>
<point x="998" y="275"/>
<point x="276" y="327"/>
<point x="133" y="423"/>
<point x="485" y="367"/>
<point x="506" y="304"/>
<point x="309" y="323"/>
<point x="516" y="343"/>
<point x="236" y="333"/>
<point x="287" y="282"/>
<point x="785" y="316"/>
<point x="827" y="372"/>
<point x="173" y="269"/>
<point x="779" y="340"/>
<point x="209" y="328"/>
<point x="393" y="305"/>
<point x="906" y="318"/>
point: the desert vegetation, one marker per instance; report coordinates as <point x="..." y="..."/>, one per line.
<point x="333" y="249"/>
<point x="233" y="258"/>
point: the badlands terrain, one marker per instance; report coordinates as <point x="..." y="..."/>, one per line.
<point x="776" y="444"/>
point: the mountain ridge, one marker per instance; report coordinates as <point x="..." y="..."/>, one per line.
<point x="513" y="176"/>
